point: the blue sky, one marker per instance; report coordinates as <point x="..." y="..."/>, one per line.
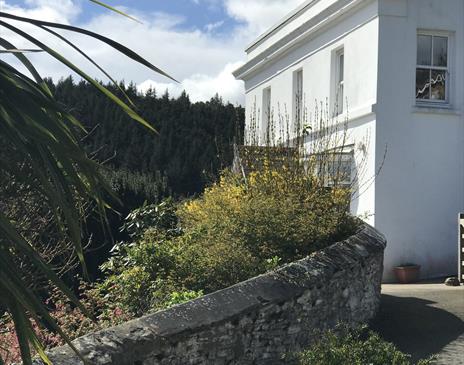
<point x="196" y="13"/>
<point x="199" y="42"/>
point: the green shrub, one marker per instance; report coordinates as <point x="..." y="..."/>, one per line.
<point x="154" y="216"/>
<point x="145" y="274"/>
<point x="139" y="273"/>
<point x="354" y="347"/>
<point x="182" y="297"/>
<point x="239" y="228"/>
<point x="282" y="214"/>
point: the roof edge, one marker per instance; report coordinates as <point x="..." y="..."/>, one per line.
<point x="327" y="16"/>
<point x="281" y="23"/>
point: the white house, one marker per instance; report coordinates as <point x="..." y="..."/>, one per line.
<point x="399" y="64"/>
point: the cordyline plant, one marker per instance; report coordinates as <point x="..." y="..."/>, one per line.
<point x="40" y="138"/>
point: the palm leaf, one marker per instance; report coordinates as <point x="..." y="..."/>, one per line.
<point x="21" y="51"/>
<point x="81" y="73"/>
<point x="72" y="45"/>
<point x="25" y="61"/>
<point x="21" y="326"/>
<point x="27" y="303"/>
<point x="49" y="161"/>
<point x="101" y="3"/>
<point x="117" y="46"/>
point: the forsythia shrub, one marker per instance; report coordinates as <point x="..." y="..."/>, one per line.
<point x="273" y="214"/>
<point x="237" y="229"/>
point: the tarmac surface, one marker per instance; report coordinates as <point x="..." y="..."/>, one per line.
<point x="424" y="319"/>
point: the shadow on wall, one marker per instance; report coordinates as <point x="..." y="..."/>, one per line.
<point x="416" y="327"/>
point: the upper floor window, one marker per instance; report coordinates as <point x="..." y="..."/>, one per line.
<point x="339" y="81"/>
<point x="298" y="98"/>
<point x="432" y="71"/>
<point x="266" y="115"/>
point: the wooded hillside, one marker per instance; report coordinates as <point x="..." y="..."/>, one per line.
<point x="193" y="145"/>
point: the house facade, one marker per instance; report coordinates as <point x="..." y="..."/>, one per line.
<point x="394" y="71"/>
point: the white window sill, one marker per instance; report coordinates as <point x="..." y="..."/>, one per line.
<point x="360" y="112"/>
<point x="429" y="108"/>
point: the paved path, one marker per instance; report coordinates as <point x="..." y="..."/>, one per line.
<point x="424" y="319"/>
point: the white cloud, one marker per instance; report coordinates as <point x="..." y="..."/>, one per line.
<point x="202" y="59"/>
<point x="213" y="26"/>
<point x="63" y="11"/>
<point x="258" y="15"/>
<point x="202" y="87"/>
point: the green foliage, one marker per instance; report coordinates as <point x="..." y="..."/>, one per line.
<point x="155" y="216"/>
<point x="193" y="145"/>
<point x="41" y="143"/>
<point x="237" y="229"/>
<point x="354" y="347"/>
<point x="194" y="142"/>
<point x="134" y="189"/>
<point x="182" y="297"/>
<point x="273" y="213"/>
<point x="104" y="313"/>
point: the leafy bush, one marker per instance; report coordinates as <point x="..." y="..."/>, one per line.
<point x="182" y="297"/>
<point x="239" y="228"/>
<point x="354" y="347"/>
<point x="273" y="213"/>
<point x="140" y="274"/>
<point x="155" y="216"/>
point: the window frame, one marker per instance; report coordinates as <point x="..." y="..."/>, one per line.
<point x="333" y="161"/>
<point x="434" y="102"/>
<point x="339" y="81"/>
<point x="266" y="114"/>
<point x="298" y="96"/>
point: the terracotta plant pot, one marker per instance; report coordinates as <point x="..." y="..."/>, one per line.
<point x="407" y="274"/>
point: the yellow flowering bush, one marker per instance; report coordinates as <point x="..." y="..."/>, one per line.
<point x="270" y="213"/>
<point x="240" y="227"/>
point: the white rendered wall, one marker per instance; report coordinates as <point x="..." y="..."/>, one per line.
<point x="420" y="190"/>
<point x="357" y="33"/>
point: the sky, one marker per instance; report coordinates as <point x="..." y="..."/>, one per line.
<point x="198" y="42"/>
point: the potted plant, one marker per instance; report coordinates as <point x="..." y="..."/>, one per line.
<point x="407" y="273"/>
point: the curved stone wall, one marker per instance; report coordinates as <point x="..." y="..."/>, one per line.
<point x="253" y="322"/>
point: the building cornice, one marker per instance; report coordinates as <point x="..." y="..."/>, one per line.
<point x="323" y="19"/>
<point x="282" y="23"/>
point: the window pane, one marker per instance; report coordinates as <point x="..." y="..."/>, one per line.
<point x="267" y="115"/>
<point x="345" y="171"/>
<point x="298" y="97"/>
<point x="422" y="84"/>
<point x="440" y="51"/>
<point x="338" y="169"/>
<point x="341" y="67"/>
<point x="438" y="84"/>
<point x="424" y="50"/>
<point x="340" y="99"/>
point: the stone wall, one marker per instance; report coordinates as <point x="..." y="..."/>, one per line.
<point x="254" y="322"/>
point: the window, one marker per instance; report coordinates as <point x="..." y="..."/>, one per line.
<point x="336" y="169"/>
<point x="432" y="73"/>
<point x="298" y="98"/>
<point x="266" y="115"/>
<point x="339" y="81"/>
